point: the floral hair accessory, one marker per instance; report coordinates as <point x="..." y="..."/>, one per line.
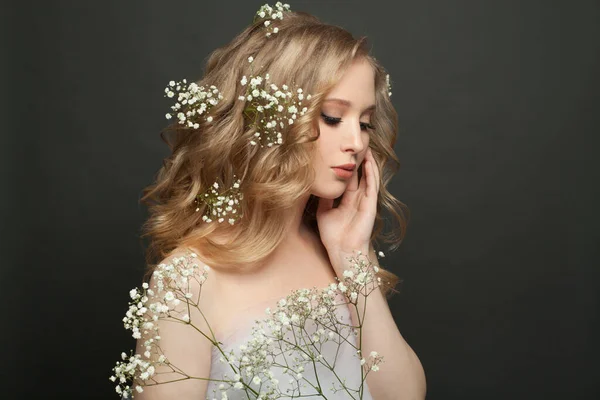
<point x="389" y="86"/>
<point x="221" y="205"/>
<point x="198" y="99"/>
<point x="270" y="108"/>
<point x="270" y="13"/>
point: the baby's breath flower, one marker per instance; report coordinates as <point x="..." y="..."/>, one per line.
<point x="288" y="329"/>
<point x="271" y="13"/>
<point x="389" y="85"/>
<point x="220" y="205"/>
<point x="270" y="109"/>
<point x="196" y="100"/>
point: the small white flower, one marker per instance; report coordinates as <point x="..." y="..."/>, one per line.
<point x="256" y="380"/>
<point x="250" y="59"/>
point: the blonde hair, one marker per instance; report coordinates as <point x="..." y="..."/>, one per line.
<point x="306" y="53"/>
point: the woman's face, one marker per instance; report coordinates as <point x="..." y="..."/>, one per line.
<point x="345" y="125"/>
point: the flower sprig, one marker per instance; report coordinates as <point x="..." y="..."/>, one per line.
<point x="221" y="205"/>
<point x="172" y="297"/>
<point x="389" y="85"/>
<point x="270" y="108"/>
<point x="194" y="100"/>
<point x="292" y="337"/>
<point x="271" y="13"/>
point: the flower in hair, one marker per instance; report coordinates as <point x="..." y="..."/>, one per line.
<point x="221" y="205"/>
<point x="270" y="108"/>
<point x="271" y="13"/>
<point x="192" y="102"/>
<point x="389" y="85"/>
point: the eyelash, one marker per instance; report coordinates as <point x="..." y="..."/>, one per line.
<point x="334" y="121"/>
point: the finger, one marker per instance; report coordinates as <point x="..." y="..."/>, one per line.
<point x="375" y="170"/>
<point x="353" y="185"/>
<point x="349" y="196"/>
<point x="371" y="188"/>
<point x="362" y="188"/>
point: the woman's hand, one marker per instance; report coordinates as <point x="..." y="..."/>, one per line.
<point x="349" y="226"/>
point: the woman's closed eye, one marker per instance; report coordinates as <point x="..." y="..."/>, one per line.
<point x="334" y="121"/>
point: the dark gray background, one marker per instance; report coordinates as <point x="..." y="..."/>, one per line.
<point x="497" y="100"/>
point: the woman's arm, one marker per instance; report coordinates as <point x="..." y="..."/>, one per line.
<point x="401" y="375"/>
<point x="185" y="347"/>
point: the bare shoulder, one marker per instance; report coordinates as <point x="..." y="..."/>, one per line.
<point x="204" y="283"/>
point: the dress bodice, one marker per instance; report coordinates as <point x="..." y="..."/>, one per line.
<point x="339" y="354"/>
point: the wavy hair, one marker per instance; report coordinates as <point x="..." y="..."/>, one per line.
<point x="312" y="55"/>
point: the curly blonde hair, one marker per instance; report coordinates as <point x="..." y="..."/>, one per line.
<point x="306" y="53"/>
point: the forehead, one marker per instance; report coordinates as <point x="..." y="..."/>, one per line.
<point x="357" y="85"/>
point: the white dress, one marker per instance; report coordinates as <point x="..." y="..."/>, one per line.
<point x="342" y="357"/>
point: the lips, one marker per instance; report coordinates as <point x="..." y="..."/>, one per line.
<point x="343" y="173"/>
<point x="347" y="167"/>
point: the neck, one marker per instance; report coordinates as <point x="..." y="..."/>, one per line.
<point x="296" y="227"/>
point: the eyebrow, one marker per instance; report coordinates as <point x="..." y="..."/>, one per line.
<point x="349" y="104"/>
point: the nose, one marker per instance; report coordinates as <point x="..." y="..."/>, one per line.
<point x="352" y="138"/>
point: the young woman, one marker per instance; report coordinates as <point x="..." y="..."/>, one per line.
<point x="311" y="198"/>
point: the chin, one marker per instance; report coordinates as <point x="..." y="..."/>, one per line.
<point x="331" y="191"/>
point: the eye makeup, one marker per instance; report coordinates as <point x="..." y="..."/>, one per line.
<point x="334" y="121"/>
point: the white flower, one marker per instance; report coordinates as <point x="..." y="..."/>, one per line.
<point x="169" y="296"/>
<point x="250" y="59"/>
<point x="256" y="380"/>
